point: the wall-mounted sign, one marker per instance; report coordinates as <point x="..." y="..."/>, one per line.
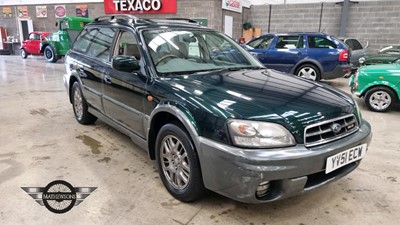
<point x="139" y="6"/>
<point x="23" y="11"/>
<point x="82" y="11"/>
<point x="232" y="5"/>
<point x="7" y="12"/>
<point x="41" y="11"/>
<point x="60" y="11"/>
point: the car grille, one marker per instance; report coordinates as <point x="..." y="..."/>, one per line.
<point x="329" y="130"/>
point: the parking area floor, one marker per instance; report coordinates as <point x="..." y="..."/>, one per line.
<point x="40" y="141"/>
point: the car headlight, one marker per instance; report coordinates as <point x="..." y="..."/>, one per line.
<point x="246" y="133"/>
<point x="361" y="60"/>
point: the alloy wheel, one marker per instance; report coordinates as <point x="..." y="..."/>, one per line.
<point x="78" y="104"/>
<point x="308" y="73"/>
<point x="175" y="162"/>
<point x="380" y="100"/>
<point x="23" y="54"/>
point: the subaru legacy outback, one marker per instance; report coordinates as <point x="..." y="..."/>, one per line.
<point x="210" y="114"/>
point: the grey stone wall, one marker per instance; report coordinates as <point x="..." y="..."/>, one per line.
<point x="376" y="22"/>
<point x="210" y="10"/>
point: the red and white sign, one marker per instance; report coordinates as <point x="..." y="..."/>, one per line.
<point x="139" y="6"/>
<point x="232" y="5"/>
<point x="60" y="11"/>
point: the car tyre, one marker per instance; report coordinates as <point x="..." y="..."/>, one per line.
<point x="80" y="106"/>
<point x="49" y="54"/>
<point x="379" y="99"/>
<point x="309" y="71"/>
<point x="178" y="164"/>
<point x="23" y="53"/>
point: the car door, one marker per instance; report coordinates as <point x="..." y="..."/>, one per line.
<point x="124" y="92"/>
<point x="285" y="52"/>
<point x="259" y="48"/>
<point x="31" y="43"/>
<point x="89" y="70"/>
<point x="324" y="51"/>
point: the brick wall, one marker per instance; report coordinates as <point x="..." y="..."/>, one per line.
<point x="210" y="10"/>
<point x="377" y="22"/>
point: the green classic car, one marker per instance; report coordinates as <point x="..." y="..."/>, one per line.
<point x="59" y="43"/>
<point x="386" y="55"/>
<point x="378" y="84"/>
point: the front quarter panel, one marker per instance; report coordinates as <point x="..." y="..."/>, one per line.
<point x="368" y="79"/>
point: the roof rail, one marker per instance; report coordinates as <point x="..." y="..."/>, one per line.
<point x="116" y="16"/>
<point x="180" y="19"/>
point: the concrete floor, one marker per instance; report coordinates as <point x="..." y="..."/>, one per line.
<point x="40" y="141"/>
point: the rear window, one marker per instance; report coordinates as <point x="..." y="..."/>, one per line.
<point x="353" y="44"/>
<point x="320" y="42"/>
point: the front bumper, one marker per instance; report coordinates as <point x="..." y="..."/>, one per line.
<point x="236" y="172"/>
<point x="353" y="86"/>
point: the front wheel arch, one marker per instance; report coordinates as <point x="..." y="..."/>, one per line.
<point x="158" y="120"/>
<point x="43" y="47"/>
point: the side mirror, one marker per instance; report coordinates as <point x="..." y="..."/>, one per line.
<point x="56" y="24"/>
<point x="125" y="63"/>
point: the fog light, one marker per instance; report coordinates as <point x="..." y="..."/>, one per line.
<point x="263" y="189"/>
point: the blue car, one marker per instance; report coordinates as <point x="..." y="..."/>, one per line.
<point x="313" y="56"/>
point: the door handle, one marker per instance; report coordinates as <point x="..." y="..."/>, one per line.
<point x="107" y="79"/>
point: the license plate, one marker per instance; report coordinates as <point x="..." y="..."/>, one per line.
<point x="346" y="157"/>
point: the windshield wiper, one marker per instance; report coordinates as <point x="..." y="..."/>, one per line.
<point x="239" y="68"/>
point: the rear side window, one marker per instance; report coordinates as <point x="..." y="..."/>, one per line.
<point x="320" y="42"/>
<point x="260" y="43"/>
<point x="101" y="44"/>
<point x="290" y="42"/>
<point x="84" y="39"/>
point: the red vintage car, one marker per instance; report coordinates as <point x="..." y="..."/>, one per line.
<point x="32" y="45"/>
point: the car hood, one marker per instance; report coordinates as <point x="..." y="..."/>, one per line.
<point x="381" y="58"/>
<point x="263" y="95"/>
<point x="382" y="68"/>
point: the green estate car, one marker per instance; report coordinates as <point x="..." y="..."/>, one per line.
<point x="212" y="118"/>
<point x="386" y="55"/>
<point x="59" y="43"/>
<point x="378" y="84"/>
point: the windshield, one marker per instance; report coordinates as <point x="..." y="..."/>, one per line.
<point x="395" y="50"/>
<point x="176" y="51"/>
